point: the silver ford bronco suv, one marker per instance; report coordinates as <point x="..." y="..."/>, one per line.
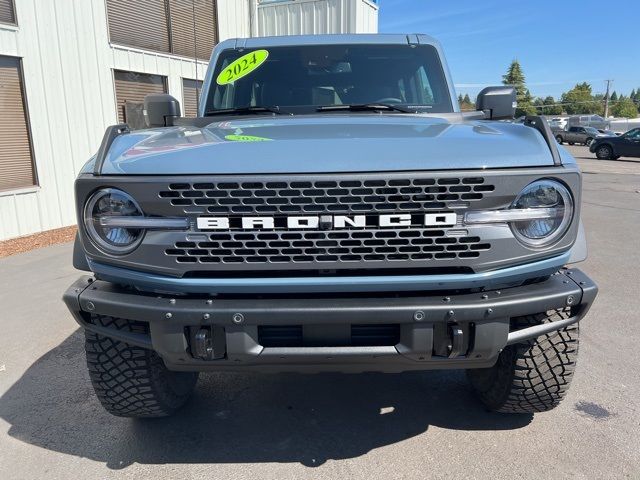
<point x="330" y="209"/>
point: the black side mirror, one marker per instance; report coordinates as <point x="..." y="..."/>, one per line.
<point x="160" y="110"/>
<point x="497" y="102"/>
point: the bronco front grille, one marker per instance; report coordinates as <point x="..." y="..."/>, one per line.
<point x="328" y="247"/>
<point x="327" y="196"/>
<point x="369" y="246"/>
<point x="374" y="246"/>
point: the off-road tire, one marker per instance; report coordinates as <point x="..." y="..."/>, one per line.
<point x="132" y="381"/>
<point x="532" y="376"/>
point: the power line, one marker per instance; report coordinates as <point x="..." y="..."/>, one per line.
<point x="559" y="104"/>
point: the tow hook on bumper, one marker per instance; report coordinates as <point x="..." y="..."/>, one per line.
<point x="202" y="344"/>
<point x="207" y="342"/>
<point x="457" y="337"/>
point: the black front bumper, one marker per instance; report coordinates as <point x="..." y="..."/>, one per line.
<point x="331" y="333"/>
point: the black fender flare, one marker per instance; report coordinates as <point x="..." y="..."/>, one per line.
<point x="79" y="257"/>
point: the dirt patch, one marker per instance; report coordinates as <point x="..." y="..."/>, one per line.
<point x="37" y="240"/>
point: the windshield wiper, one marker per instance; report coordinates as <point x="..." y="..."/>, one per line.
<point x="247" y="110"/>
<point x="363" y="107"/>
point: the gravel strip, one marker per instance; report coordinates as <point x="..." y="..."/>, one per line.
<point x="37" y="240"/>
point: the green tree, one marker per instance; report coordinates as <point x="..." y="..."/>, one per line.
<point x="580" y="100"/>
<point x="614" y="96"/>
<point x="515" y="77"/>
<point x="598" y="99"/>
<point x="625" y="108"/>
<point x="552" y="109"/>
<point x="465" y="103"/>
<point x="633" y="95"/>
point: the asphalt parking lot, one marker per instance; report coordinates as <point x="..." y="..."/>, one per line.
<point x="418" y="425"/>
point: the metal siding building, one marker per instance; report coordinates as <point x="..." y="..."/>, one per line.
<point x="69" y="69"/>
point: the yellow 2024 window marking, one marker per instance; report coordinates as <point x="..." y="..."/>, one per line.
<point x="246" y="138"/>
<point x="242" y="66"/>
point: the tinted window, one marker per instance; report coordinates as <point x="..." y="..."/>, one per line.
<point x="301" y="78"/>
<point x="633" y="134"/>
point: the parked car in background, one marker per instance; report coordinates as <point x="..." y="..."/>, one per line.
<point x="558" y="122"/>
<point x="572" y="135"/>
<point x="612" y="148"/>
<point x="595" y="121"/>
<point x="607" y="133"/>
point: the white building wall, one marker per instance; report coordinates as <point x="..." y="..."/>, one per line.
<point x="235" y="18"/>
<point x="297" y="17"/>
<point x="68" y="66"/>
<point x="366" y="17"/>
<point x="250" y="18"/>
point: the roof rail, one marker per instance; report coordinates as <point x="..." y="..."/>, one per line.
<point x="539" y="123"/>
<point x="110" y="135"/>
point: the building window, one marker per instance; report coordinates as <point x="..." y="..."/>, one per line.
<point x="181" y="27"/>
<point x="190" y="96"/>
<point x="16" y="153"/>
<point x="131" y="88"/>
<point x="7" y="12"/>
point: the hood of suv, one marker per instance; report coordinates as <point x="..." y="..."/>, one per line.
<point x="327" y="143"/>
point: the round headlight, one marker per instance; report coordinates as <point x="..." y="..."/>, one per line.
<point x="101" y="213"/>
<point x="558" y="204"/>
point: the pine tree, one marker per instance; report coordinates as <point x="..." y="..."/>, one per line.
<point x="515" y="77"/>
<point x="633" y="95"/>
<point x="460" y="100"/>
<point x="466" y="99"/>
<point x="614" y="96"/>
<point x="625" y="108"/>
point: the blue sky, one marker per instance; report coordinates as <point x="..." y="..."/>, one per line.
<point x="558" y="43"/>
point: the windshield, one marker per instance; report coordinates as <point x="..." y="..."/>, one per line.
<point x="591" y="130"/>
<point x="302" y="78"/>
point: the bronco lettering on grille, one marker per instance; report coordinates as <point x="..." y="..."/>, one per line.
<point x="328" y="222"/>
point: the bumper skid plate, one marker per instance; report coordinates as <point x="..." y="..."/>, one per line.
<point x="319" y="333"/>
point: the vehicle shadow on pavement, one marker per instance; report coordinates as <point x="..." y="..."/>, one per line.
<point x="241" y="418"/>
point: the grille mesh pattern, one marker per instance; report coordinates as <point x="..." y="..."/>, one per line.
<point x="327" y="196"/>
<point x="326" y="247"/>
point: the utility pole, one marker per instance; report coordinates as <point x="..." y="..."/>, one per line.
<point x="606" y="99"/>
